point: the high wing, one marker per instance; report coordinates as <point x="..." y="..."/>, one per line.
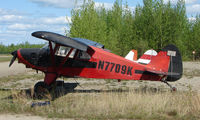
<point x="77" y="43"/>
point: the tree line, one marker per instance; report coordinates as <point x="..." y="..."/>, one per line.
<point x="10" y="48"/>
<point x="152" y="25"/>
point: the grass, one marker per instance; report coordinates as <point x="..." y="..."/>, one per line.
<point x="140" y="105"/>
<point x="113" y="105"/>
<point x="13" y="79"/>
<point x="191" y="73"/>
<point x="5" y="59"/>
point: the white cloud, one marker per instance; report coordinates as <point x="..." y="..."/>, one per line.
<point x="57" y="20"/>
<point x="16" y="27"/>
<point x="6" y="11"/>
<point x="19" y="26"/>
<point x="68" y="3"/>
<point x="110" y="5"/>
<point x="193" y="9"/>
<point x="190" y="1"/>
<point x="13" y="33"/>
<point x="106" y="5"/>
<point x="57" y="3"/>
<point x="192" y="6"/>
<point x="175" y="1"/>
<point x="192" y="19"/>
<point x="10" y="18"/>
<point x="172" y="1"/>
<point x="2" y="11"/>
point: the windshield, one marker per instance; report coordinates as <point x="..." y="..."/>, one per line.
<point x="46" y="46"/>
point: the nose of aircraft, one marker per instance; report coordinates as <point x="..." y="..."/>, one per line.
<point x="14" y="54"/>
<point x="26" y="55"/>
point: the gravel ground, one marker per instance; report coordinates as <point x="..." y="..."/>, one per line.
<point x="189" y="81"/>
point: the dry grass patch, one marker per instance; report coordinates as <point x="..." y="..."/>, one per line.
<point x="14" y="80"/>
<point x="130" y="105"/>
<point x="5" y="59"/>
<point x="113" y="105"/>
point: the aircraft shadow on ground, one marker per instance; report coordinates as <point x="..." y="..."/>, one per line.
<point x="67" y="88"/>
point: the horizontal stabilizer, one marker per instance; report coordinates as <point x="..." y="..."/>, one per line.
<point x="162" y="73"/>
<point x="147" y="56"/>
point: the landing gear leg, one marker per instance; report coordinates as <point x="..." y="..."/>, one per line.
<point x="53" y="90"/>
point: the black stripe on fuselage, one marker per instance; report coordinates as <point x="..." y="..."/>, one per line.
<point x="144" y="72"/>
<point x="79" y="64"/>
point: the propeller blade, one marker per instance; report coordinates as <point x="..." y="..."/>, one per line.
<point x="13" y="58"/>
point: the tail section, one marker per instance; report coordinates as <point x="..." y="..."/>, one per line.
<point x="167" y="62"/>
<point x="132" y="55"/>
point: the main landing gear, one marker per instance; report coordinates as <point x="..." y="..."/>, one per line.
<point x="56" y="89"/>
<point x="44" y="91"/>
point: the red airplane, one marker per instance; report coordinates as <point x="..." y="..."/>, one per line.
<point x="77" y="57"/>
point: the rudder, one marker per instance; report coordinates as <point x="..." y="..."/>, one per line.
<point x="175" y="65"/>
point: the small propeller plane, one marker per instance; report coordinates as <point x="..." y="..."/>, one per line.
<point x="76" y="57"/>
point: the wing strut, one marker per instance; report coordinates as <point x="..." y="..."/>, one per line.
<point x="66" y="57"/>
<point x="52" y="55"/>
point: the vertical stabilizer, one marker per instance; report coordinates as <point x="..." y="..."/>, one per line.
<point x="132" y="55"/>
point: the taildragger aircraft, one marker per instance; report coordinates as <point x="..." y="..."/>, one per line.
<point x="76" y="57"/>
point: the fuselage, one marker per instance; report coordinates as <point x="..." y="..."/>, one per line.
<point x="100" y="64"/>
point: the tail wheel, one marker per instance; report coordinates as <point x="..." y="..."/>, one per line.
<point x="42" y="91"/>
<point x="174" y="89"/>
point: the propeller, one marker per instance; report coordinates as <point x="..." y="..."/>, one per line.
<point x="14" y="53"/>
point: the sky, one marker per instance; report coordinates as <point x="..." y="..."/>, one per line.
<point x="19" y="18"/>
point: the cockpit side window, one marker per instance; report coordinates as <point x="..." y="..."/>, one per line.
<point x="63" y="51"/>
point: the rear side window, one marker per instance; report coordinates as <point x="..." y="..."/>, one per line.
<point x="83" y="55"/>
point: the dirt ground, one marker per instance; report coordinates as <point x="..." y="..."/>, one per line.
<point x="13" y="70"/>
<point x="189" y="81"/>
<point x="25" y="117"/>
<point x="20" y="117"/>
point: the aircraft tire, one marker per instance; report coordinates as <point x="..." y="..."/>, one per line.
<point x="42" y="91"/>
